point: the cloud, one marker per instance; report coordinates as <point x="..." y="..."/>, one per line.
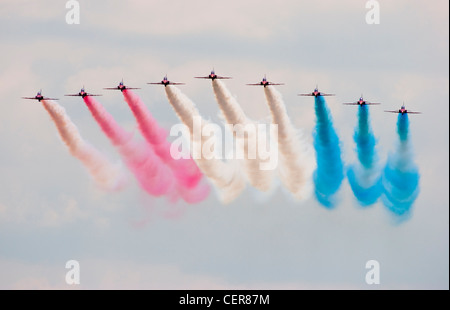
<point x="31" y="11"/>
<point x="300" y="43"/>
<point x="43" y="213"/>
<point x="2" y="211"/>
<point x="121" y="274"/>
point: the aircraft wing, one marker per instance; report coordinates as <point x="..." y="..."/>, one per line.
<point x="74" y="95"/>
<point x="30" y="98"/>
<point x="414" y="112"/>
<point x="390" y="111"/>
<point x="216" y="77"/>
<point x="255" y="84"/>
<point x="305" y="95"/>
<point x="45" y="98"/>
<point x="322" y="94"/>
<point x="112" y="88"/>
<point x="92" y="95"/>
<point x="276" y="83"/>
<point x="356" y="103"/>
<point x="171" y="83"/>
<point x="156" y="83"/>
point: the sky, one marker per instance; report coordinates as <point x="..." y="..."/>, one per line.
<point x="51" y="210"/>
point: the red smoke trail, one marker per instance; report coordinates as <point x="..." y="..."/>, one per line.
<point x="103" y="171"/>
<point x="153" y="175"/>
<point x="185" y="170"/>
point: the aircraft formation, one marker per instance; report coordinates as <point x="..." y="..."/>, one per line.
<point x="367" y="179"/>
<point x="212" y="76"/>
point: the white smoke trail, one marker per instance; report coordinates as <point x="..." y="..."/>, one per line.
<point x="224" y="175"/>
<point x="105" y="173"/>
<point x="296" y="155"/>
<point x="233" y="113"/>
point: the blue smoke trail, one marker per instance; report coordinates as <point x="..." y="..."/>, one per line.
<point x="330" y="169"/>
<point x="401" y="175"/>
<point x="365" y="177"/>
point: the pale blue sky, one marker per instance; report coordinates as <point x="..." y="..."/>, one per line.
<point x="51" y="211"/>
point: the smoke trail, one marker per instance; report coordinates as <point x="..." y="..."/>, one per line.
<point x="224" y="176"/>
<point x="187" y="174"/>
<point x="153" y="175"/>
<point x="107" y="175"/>
<point x="329" y="173"/>
<point x="401" y="175"/>
<point x="365" y="177"/>
<point x="260" y="179"/>
<point x="297" y="164"/>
